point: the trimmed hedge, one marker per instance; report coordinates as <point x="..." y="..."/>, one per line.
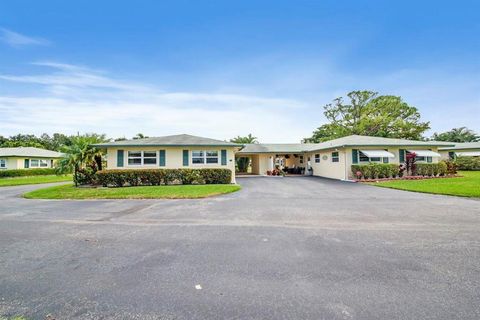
<point x="468" y="163"/>
<point x="26" y="172"/>
<point x="375" y="170"/>
<point x="432" y="169"/>
<point x="155" y="177"/>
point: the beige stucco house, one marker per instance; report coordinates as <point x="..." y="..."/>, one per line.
<point x="333" y="159"/>
<point x="171" y="152"/>
<point x="27" y="158"/>
<point x="467" y="149"/>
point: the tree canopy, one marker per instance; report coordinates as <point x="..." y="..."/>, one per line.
<point x="462" y="134"/>
<point x="246" y="139"/>
<point x="367" y="113"/>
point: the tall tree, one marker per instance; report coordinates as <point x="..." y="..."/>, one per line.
<point x="367" y="113"/>
<point x="139" y="136"/>
<point x="243" y="162"/>
<point x="462" y="134"/>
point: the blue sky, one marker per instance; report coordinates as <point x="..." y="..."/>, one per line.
<point x="226" y="68"/>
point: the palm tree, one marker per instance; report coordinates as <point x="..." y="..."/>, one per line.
<point x="462" y="134"/>
<point x="81" y="153"/>
<point x="244" y="162"/>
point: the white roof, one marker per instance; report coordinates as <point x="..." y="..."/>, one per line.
<point x="378" y="154"/>
<point x="29" y="152"/>
<point x="425" y="153"/>
<point x="468" y="154"/>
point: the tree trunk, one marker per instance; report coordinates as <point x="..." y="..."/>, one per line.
<point x="75" y="175"/>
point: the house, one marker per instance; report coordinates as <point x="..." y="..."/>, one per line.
<point x="171" y="152"/>
<point x="467" y="149"/>
<point x="333" y="159"/>
<point x="27" y="158"/>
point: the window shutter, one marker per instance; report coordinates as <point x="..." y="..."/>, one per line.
<point x="120" y="158"/>
<point x="385" y="160"/>
<point x="429" y="159"/>
<point x="402" y="155"/>
<point x="27" y="163"/>
<point x="451" y="155"/>
<point x="161" y="161"/>
<point x="185" y="158"/>
<point x="224" y="157"/>
<point x="354" y="156"/>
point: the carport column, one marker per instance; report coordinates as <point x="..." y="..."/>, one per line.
<point x="271" y="161"/>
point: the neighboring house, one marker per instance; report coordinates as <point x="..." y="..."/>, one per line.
<point x="333" y="159"/>
<point x="467" y="149"/>
<point x="171" y="152"/>
<point x="27" y="158"/>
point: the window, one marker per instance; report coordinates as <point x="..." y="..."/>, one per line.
<point x="198" y="157"/>
<point x="335" y="157"/>
<point x="138" y="158"/>
<point x="362" y="157"/>
<point x="3" y="163"/>
<point x="34" y="163"/>
<point x="301" y="159"/>
<point x="212" y="156"/>
<point x="43" y="163"/>
<point x="317" y="158"/>
<point x="202" y="157"/>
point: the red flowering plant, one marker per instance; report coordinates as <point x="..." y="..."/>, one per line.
<point x="411" y="163"/>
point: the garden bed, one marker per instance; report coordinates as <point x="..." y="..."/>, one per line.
<point x="408" y="178"/>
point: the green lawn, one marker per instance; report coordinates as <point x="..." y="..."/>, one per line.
<point x="149" y="192"/>
<point x="18" y="181"/>
<point x="466" y="186"/>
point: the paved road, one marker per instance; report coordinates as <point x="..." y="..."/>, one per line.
<point x="282" y="248"/>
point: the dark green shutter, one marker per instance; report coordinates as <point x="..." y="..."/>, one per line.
<point x="224" y="157"/>
<point x="120" y="158"/>
<point x="451" y="155"/>
<point x="185" y="158"/>
<point x="429" y="159"/>
<point x="401" y="153"/>
<point x="27" y="163"/>
<point x="354" y="156"/>
<point x="161" y="161"/>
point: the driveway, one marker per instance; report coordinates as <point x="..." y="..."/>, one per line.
<point x="282" y="248"/>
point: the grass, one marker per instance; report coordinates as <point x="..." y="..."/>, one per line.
<point x="18" y="181"/>
<point x="149" y="192"/>
<point x="13" y="318"/>
<point x="466" y="186"/>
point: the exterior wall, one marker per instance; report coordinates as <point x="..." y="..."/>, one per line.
<point x="445" y="155"/>
<point x="342" y="169"/>
<point x="173" y="158"/>
<point x="19" y="163"/>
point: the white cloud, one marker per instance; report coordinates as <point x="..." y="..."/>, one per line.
<point x="16" y="39"/>
<point x="73" y="98"/>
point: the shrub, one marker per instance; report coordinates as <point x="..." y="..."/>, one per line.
<point x="85" y="176"/>
<point x="468" y="163"/>
<point x="375" y="170"/>
<point x="26" y="172"/>
<point x="148" y="177"/>
<point x="451" y="167"/>
<point x="442" y="168"/>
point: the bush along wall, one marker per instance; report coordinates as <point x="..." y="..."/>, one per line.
<point x="156" y="177"/>
<point x="468" y="163"/>
<point x="390" y="171"/>
<point x="26" y="172"/>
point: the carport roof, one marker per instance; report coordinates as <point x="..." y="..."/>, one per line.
<point x="275" y="148"/>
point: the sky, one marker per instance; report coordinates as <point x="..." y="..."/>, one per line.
<point x="220" y="69"/>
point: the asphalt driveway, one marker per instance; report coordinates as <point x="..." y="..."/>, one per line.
<point x="282" y="248"/>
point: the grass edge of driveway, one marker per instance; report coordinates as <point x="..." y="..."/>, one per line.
<point x="27" y="180"/>
<point x="70" y="192"/>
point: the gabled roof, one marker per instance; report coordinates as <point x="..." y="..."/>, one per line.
<point x="29" y="152"/>
<point x="462" y="146"/>
<point x="178" y="140"/>
<point x="349" y="141"/>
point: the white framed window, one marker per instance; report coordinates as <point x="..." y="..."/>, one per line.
<point x="335" y="156"/>
<point x="301" y="159"/>
<point x="139" y="158"/>
<point x="3" y="163"/>
<point x="362" y="157"/>
<point x="317" y="158"/>
<point x="34" y="163"/>
<point x="43" y="163"/>
<point x="420" y="159"/>
<point x="205" y="157"/>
